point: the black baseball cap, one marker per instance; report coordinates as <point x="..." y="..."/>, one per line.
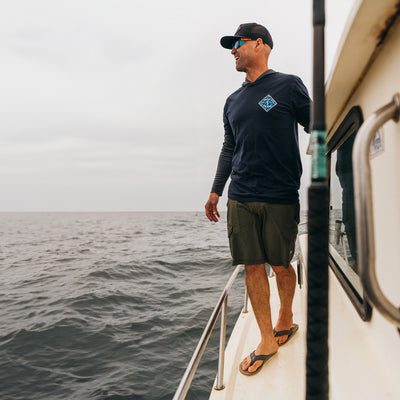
<point x="249" y="31"/>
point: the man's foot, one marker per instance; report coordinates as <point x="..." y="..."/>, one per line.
<point x="262" y="357"/>
<point x="284" y="323"/>
<point x="288" y="333"/>
<point x="247" y="365"/>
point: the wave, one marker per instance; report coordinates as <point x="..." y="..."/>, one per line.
<point x="109" y="306"/>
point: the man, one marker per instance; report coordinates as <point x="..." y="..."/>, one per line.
<point x="261" y="155"/>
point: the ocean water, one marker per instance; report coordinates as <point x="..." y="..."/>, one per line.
<point x="109" y="305"/>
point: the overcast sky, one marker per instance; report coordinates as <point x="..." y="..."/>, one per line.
<point x="117" y="105"/>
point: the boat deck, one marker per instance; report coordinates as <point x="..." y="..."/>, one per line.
<point x="282" y="372"/>
<point x="357" y="367"/>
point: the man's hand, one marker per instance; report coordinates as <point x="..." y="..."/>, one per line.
<point x="211" y="207"/>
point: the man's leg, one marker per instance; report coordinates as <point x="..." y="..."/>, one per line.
<point x="258" y="290"/>
<point x="286" y="282"/>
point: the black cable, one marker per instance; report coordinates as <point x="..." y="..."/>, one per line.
<point x="317" y="376"/>
<point x="317" y="380"/>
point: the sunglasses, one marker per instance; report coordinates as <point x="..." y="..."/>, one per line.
<point x="240" y="43"/>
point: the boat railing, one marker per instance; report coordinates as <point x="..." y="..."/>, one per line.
<point x="221" y="307"/>
<point x="364" y="208"/>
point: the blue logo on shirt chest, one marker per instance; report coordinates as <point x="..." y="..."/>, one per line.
<point x="267" y="103"/>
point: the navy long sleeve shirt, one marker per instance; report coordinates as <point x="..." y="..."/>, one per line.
<point x="260" y="151"/>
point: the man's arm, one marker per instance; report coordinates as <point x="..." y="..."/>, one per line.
<point x="224" y="169"/>
<point x="301" y="104"/>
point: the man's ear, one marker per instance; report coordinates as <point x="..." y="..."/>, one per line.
<point x="260" y="42"/>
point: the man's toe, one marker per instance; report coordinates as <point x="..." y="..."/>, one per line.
<point x="255" y="366"/>
<point x="281" y="339"/>
<point x="246" y="363"/>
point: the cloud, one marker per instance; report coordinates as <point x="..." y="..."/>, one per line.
<point x="118" y="105"/>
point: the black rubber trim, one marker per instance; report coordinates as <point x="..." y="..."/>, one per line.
<point x="351" y="123"/>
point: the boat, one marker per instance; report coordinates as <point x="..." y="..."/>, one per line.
<point x="363" y="146"/>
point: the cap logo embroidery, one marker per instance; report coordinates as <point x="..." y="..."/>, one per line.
<point x="267" y="103"/>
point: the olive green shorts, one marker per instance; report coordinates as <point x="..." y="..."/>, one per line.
<point x="261" y="232"/>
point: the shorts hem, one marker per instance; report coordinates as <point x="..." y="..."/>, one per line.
<point x="235" y="262"/>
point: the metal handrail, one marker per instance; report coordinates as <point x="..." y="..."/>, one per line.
<point x="222" y="304"/>
<point x="364" y="208"/>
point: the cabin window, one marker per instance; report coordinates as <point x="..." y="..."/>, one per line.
<point x="342" y="238"/>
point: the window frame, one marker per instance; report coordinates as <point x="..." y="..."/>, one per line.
<point x="352" y="122"/>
